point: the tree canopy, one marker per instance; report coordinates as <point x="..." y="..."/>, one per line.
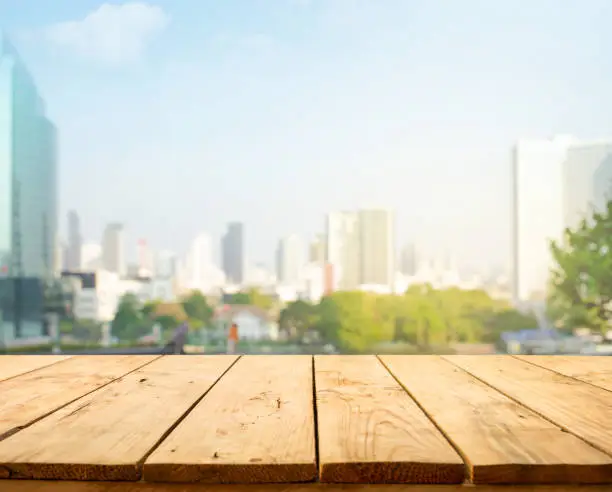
<point x="197" y="308"/>
<point x="423" y="317"/>
<point x="581" y="279"/>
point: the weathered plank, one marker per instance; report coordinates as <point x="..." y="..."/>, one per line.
<point x="15" y="365"/>
<point x="107" y="434"/>
<point x="580" y="408"/>
<point x="500" y="440"/>
<point x="64" y="486"/>
<point x="259" y="428"/>
<point x="371" y="431"/>
<point x="593" y="370"/>
<point x="26" y="398"/>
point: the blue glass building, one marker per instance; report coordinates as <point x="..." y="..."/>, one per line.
<point x="28" y="199"/>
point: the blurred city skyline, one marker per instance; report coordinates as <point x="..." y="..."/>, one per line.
<point x="275" y="113"/>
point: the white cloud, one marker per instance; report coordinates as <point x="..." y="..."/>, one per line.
<point x="112" y="33"/>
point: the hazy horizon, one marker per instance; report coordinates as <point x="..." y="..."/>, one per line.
<point x="274" y="113"/>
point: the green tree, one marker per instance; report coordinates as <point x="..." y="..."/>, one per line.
<point x="259" y="299"/>
<point x="197" y="308"/>
<point x="239" y="298"/>
<point x="297" y="318"/>
<point x="128" y="323"/>
<point x="581" y="280"/>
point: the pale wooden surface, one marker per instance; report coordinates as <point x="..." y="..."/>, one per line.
<point x="500" y="440"/>
<point x="594" y="370"/>
<point x="26" y="398"/>
<point x="255" y="426"/>
<point x="93" y="417"/>
<point x="369" y="429"/>
<point x="582" y="409"/>
<point x="14" y="365"/>
<point x="105" y="435"/>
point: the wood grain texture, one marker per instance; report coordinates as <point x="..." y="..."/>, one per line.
<point x="255" y="426"/>
<point x="15" y="365"/>
<point x="64" y="486"/>
<point x="371" y="431"/>
<point x="577" y="407"/>
<point x="500" y="440"/>
<point x="106" y="435"/>
<point x="26" y="398"/>
<point x="590" y="369"/>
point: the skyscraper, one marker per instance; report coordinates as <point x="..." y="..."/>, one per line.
<point x="316" y="251"/>
<point x="232" y="248"/>
<point x="28" y="198"/>
<point x="377" y="240"/>
<point x="580" y="188"/>
<point x="602" y="184"/>
<point x="290" y="260"/>
<point x="408" y="260"/>
<point x="343" y="250"/>
<point x="75" y="242"/>
<point x="113" y="249"/>
<point x="537" y="213"/>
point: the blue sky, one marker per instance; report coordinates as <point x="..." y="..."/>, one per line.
<point x="176" y="117"/>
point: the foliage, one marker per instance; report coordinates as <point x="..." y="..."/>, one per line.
<point x="196" y="307"/>
<point x="252" y="297"/>
<point x="581" y="280"/>
<point x="424" y="318"/>
<point x="129" y="322"/>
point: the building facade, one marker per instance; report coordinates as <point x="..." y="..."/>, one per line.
<point x="113" y="249"/>
<point x="377" y="238"/>
<point x="537" y="213"/>
<point x="602" y="184"/>
<point x="290" y="260"/>
<point x="580" y="170"/>
<point x="233" y="249"/>
<point x="28" y="199"/>
<point x="75" y="242"/>
<point x="343" y="250"/>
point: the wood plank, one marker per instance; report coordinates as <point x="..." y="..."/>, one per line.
<point x="371" y="431"/>
<point x="27" y="398"/>
<point x="501" y="441"/>
<point x="65" y="486"/>
<point x="15" y="365"/>
<point x="577" y="407"/>
<point x="107" y="434"/>
<point x="590" y="369"/>
<point x="261" y="428"/>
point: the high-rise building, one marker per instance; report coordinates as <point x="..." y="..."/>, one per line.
<point x="91" y="257"/>
<point x="602" y="184"/>
<point x="200" y="263"/>
<point x="113" y="249"/>
<point x="290" y="260"/>
<point x="316" y="252"/>
<point x="408" y="260"/>
<point x="343" y="250"/>
<point x="537" y="213"/>
<point x="377" y="240"/>
<point x="75" y="242"/>
<point x="28" y="199"/>
<point x="580" y="189"/>
<point x="233" y="252"/>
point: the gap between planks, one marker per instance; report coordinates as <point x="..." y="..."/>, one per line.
<point x="501" y="441"/>
<point x="556" y="398"/>
<point x="107" y="434"/>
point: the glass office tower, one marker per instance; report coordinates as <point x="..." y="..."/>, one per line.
<point x="28" y="199"/>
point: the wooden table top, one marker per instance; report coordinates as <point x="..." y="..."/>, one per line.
<point x="137" y="422"/>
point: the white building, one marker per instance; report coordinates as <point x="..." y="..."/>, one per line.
<point x="537" y="212"/>
<point x="91" y="257"/>
<point x="584" y="178"/>
<point x="555" y="184"/>
<point x="290" y="260"/>
<point x="97" y="297"/>
<point x="377" y="248"/>
<point x="113" y="249"/>
<point x="200" y="272"/>
<point x="343" y="249"/>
